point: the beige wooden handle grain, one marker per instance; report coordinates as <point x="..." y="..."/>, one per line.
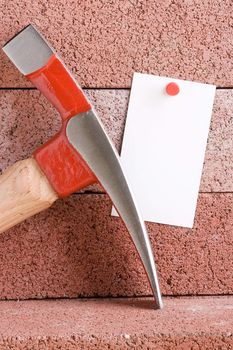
<point x="24" y="191"/>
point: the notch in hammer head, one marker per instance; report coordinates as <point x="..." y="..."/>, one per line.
<point x="81" y="153"/>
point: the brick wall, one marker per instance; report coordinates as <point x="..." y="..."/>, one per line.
<point x="76" y="248"/>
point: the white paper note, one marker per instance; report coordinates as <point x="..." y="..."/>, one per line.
<point x="164" y="146"/>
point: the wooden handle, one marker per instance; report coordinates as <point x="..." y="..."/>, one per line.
<point x="24" y="191"/>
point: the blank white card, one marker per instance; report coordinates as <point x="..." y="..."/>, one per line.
<point x="164" y="147"/>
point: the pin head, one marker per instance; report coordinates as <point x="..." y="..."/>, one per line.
<point x="172" y="89"/>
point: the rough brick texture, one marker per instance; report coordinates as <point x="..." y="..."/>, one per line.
<point x="77" y="249"/>
<point x="185" y="323"/>
<point x="27" y="121"/>
<point x="104" y="42"/>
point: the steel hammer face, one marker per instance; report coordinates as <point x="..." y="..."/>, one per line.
<point x="81" y="153"/>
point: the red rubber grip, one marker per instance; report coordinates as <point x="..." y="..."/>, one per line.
<point x="65" y="169"/>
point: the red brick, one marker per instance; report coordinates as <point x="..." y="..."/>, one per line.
<point x="218" y="169"/>
<point x="27" y="121"/>
<point x="77" y="249"/>
<point x="185" y="323"/>
<point x="105" y="42"/>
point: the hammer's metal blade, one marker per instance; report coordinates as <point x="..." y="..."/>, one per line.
<point x="29" y="51"/>
<point x="86" y="133"/>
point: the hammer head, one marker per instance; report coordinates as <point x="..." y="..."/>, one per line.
<point x="81" y="153"/>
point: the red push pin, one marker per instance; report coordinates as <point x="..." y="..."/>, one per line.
<point x="172" y="89"/>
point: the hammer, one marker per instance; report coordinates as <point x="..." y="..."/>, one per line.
<point x="80" y="154"/>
